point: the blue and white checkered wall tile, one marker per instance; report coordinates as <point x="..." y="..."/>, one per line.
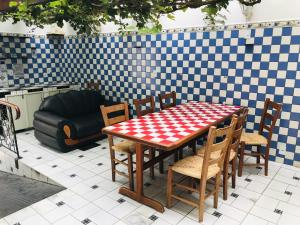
<point x="215" y="66"/>
<point x="39" y="56"/>
<point x="198" y="63"/>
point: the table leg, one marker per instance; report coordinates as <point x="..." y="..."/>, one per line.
<point x="138" y="194"/>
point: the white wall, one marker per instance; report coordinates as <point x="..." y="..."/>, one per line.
<point x="267" y="10"/>
<point x="8" y="27"/>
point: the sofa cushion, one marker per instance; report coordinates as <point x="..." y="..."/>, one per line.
<point x="73" y="103"/>
<point x="88" y="125"/>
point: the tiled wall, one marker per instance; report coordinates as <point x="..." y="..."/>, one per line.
<point x="215" y="66"/>
<point x="38" y="55"/>
<point x="199" y="64"/>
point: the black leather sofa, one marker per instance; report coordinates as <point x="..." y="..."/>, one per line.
<point x="68" y="120"/>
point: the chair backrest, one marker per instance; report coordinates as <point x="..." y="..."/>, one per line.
<point x="108" y="113"/>
<point x="237" y="133"/>
<point x="144" y="103"/>
<point x="219" y="148"/>
<point x="271" y="117"/>
<point x="165" y="98"/>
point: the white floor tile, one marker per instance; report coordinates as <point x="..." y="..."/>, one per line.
<point x="36" y="219"/>
<point x="266" y="214"/>
<point x="224" y="220"/>
<point x="267" y="202"/>
<point x="170" y="216"/>
<point x="91" y="195"/>
<point x="253" y="220"/>
<point x="103" y="218"/>
<point x="243" y="204"/>
<point x="68" y="220"/>
<point x="290" y="209"/>
<point x="232" y="212"/>
<point x="58" y="213"/>
<point x="287" y="219"/>
<point x="85" y="211"/>
<point x="122" y="210"/>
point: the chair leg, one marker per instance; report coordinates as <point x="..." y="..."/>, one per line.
<point x="267" y="160"/>
<point x="169" y="187"/>
<point x="161" y="164"/>
<point x="201" y="199"/>
<point x="152" y="155"/>
<point x="233" y="172"/>
<point x="130" y="171"/>
<point x="258" y="157"/>
<point x="113" y="165"/>
<point x="225" y="181"/>
<point x="241" y="160"/>
<point x="217" y="186"/>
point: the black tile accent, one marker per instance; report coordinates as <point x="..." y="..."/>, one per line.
<point x="17" y="223"/>
<point x="121" y="200"/>
<point x="99" y="164"/>
<point x="217" y="214"/>
<point x="60" y="203"/>
<point x="278" y="211"/>
<point x="288" y="193"/>
<point x="259" y="167"/>
<point x="122" y="154"/>
<point x="86" y="221"/>
<point x="153" y="217"/>
<point x="38" y="158"/>
<point x="234" y="195"/>
<point x="147" y="184"/>
<point x="25" y="151"/>
<point x="248" y="180"/>
<point x="80" y="156"/>
<point x="103" y="147"/>
<point x="296" y="178"/>
<point x="54" y="166"/>
<point x="94" y="186"/>
<point x="73" y="175"/>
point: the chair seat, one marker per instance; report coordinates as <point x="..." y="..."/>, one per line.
<point x="124" y="146"/>
<point x="192" y="166"/>
<point x="213" y="155"/>
<point x="253" y="139"/>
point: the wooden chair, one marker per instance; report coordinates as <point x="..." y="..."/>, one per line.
<point x="149" y="105"/>
<point x="125" y="147"/>
<point x="202" y="168"/>
<point x="231" y="155"/>
<point x="258" y="139"/>
<point x="165" y="98"/>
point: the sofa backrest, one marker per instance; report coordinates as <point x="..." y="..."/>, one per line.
<point x="73" y="103"/>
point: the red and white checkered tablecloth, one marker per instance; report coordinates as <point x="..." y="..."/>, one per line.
<point x="171" y="125"/>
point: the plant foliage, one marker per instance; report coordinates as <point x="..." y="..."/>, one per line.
<point x="86" y="16"/>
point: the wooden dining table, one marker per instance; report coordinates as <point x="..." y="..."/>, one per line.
<point x="167" y="130"/>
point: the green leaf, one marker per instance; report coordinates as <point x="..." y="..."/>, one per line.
<point x="13" y="4"/>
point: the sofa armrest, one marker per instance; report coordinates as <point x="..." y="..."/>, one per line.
<point x="57" y="121"/>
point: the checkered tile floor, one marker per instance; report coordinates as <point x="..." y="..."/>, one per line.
<point x="92" y="198"/>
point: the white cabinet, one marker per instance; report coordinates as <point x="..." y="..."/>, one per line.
<point x="33" y="102"/>
<point x="29" y="102"/>
<point x="53" y="92"/>
<point x="19" y="100"/>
